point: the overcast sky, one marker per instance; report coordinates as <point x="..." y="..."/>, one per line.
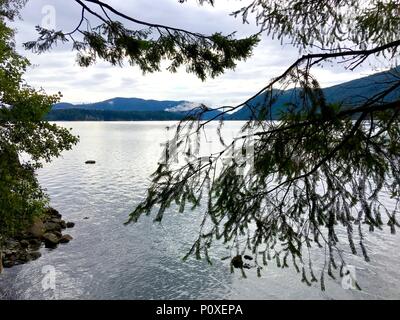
<point x="57" y="70"/>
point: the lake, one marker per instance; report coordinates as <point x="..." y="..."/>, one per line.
<point x="107" y="260"/>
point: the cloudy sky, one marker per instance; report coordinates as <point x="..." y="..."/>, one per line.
<point x="57" y="70"/>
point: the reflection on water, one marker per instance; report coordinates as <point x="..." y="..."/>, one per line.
<point x="107" y="260"/>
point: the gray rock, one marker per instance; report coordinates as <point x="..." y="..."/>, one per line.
<point x="57" y="234"/>
<point x="51" y="226"/>
<point x="51" y="240"/>
<point x="37" y="229"/>
<point x="55" y="220"/>
<point x="12" y="244"/>
<point x="53" y="213"/>
<point x="35" y="244"/>
<point x="66" y="238"/>
<point x="34" y="255"/>
<point x="8" y="263"/>
<point x="23" y="257"/>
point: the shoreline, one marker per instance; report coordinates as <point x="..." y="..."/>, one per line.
<point x="25" y="246"/>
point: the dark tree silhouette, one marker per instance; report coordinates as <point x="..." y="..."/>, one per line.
<point x="22" y="131"/>
<point x="146" y="46"/>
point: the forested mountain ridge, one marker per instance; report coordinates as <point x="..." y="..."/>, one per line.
<point x="349" y="93"/>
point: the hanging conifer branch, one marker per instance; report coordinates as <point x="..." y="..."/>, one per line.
<point x="147" y="46"/>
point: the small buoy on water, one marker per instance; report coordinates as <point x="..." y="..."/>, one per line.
<point x="90" y="162"/>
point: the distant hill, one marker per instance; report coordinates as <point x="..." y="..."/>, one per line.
<point x="349" y="93"/>
<point x="134" y="109"/>
<point x="128" y="109"/>
<point x="110" y="115"/>
<point x="123" y="104"/>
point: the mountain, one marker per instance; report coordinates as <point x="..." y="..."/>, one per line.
<point x="349" y="93"/>
<point x="74" y="114"/>
<point x="123" y="104"/>
<point x="128" y="109"/>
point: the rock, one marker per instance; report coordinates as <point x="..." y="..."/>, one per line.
<point x="35" y="244"/>
<point x="12" y="244"/>
<point x="57" y="234"/>
<point x="8" y="263"/>
<point x="86" y="218"/>
<point x="51" y="226"/>
<point x="24" y="244"/>
<point x="53" y="213"/>
<point x="90" y="162"/>
<point x="10" y="256"/>
<point x="8" y="252"/>
<point x="34" y="255"/>
<point x="70" y="224"/>
<point x="37" y="229"/>
<point x="63" y="224"/>
<point x="55" y="220"/>
<point x="66" y="238"/>
<point x="22" y="258"/>
<point x="237" y="262"/>
<point x="51" y="240"/>
<point x="22" y="235"/>
<point x="248" y="257"/>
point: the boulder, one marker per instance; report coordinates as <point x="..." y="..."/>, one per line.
<point x="66" y="238"/>
<point x="12" y="244"/>
<point x="24" y="244"/>
<point x="63" y="224"/>
<point x="51" y="240"/>
<point x="51" y="226"/>
<point x="8" y="263"/>
<point x="55" y="220"/>
<point x="90" y="162"/>
<point x="37" y="229"/>
<point x="9" y="260"/>
<point x="34" y="255"/>
<point x="23" y="257"/>
<point x="70" y="224"/>
<point x="58" y="234"/>
<point x="35" y="244"/>
<point x="53" y="213"/>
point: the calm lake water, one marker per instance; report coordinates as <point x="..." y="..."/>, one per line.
<point x="107" y="260"/>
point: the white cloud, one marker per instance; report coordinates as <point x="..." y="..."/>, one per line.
<point x="57" y="70"/>
<point x="185" y="106"/>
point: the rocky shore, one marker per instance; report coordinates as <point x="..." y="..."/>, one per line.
<point x="46" y="231"/>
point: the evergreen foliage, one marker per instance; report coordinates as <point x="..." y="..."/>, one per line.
<point x="147" y="48"/>
<point x="317" y="178"/>
<point x="108" y="115"/>
<point x="22" y="134"/>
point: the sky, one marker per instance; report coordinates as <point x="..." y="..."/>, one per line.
<point x="57" y="70"/>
